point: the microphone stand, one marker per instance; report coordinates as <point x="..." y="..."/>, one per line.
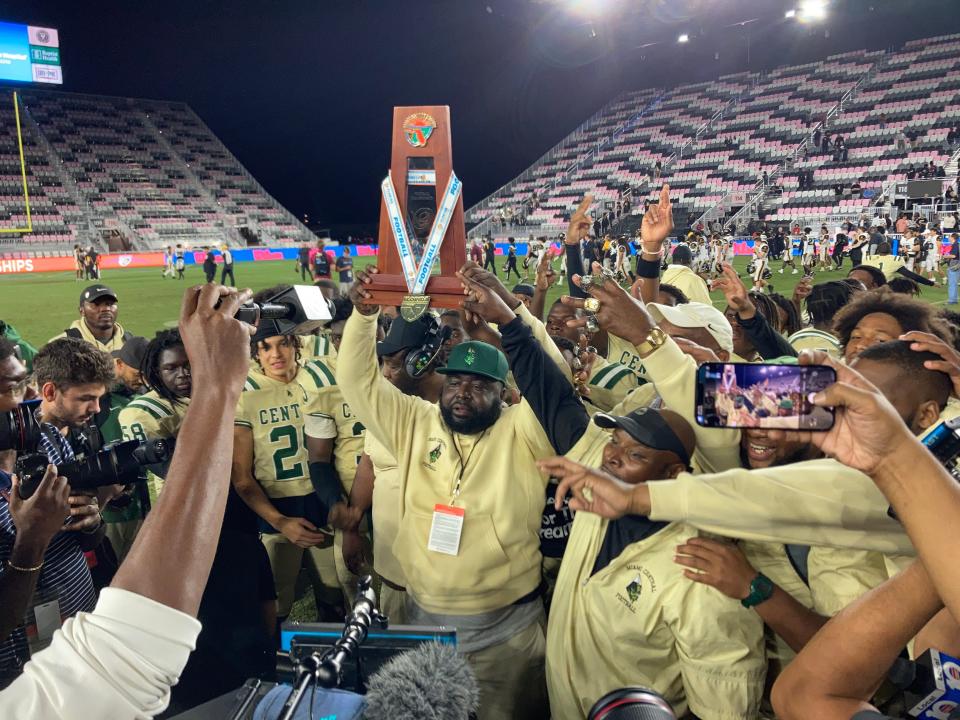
<point x="326" y="671"/>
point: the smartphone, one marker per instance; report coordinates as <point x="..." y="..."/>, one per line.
<point x="762" y="395"/>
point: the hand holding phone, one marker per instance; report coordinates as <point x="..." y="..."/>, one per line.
<point x="763" y="395"/>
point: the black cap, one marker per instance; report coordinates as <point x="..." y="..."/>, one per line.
<point x="682" y="255"/>
<point x="647" y="427"/>
<point x="523" y="289"/>
<point x="404" y="335"/>
<point x="132" y="351"/>
<point x="92" y="293"/>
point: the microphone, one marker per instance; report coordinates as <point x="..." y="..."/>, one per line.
<point x="326" y="671"/>
<point x="871" y="715"/>
<point x="931" y="685"/>
<point x="430" y="682"/>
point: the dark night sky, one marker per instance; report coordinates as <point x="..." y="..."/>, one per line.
<point x="302" y="90"/>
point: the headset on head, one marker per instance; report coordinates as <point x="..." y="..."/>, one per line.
<point x="419" y="359"/>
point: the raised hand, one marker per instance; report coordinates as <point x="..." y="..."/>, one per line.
<point x="657" y="222"/>
<point x="618" y="313"/>
<point x="359" y="294"/>
<point x="867" y="429"/>
<point x="474" y="273"/>
<point x="545" y="274"/>
<point x="586" y="357"/>
<point x="484" y="302"/>
<point x="580" y="222"/>
<point x="735" y="292"/>
<point x="217" y="344"/>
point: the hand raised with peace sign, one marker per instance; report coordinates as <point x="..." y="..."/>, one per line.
<point x="735" y="292"/>
<point x="614" y="309"/>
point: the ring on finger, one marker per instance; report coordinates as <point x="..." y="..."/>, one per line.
<point x="592" y="325"/>
<point x="591" y="304"/>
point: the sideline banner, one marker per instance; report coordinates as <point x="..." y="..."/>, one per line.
<point x="116" y="261"/>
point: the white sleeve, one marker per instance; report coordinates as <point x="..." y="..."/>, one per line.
<point x="319" y="426"/>
<point x="117" y="662"/>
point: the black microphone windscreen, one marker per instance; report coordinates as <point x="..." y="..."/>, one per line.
<point x="870" y="715"/>
<point x="903" y="673"/>
<point x="430" y="682"/>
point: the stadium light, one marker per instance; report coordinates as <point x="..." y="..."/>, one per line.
<point x="683" y="38"/>
<point x="790" y="14"/>
<point x="589" y="8"/>
<point x="812" y="10"/>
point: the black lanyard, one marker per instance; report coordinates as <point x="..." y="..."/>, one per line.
<point x="463" y="464"/>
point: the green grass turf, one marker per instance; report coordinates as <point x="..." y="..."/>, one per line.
<point x="41" y="305"/>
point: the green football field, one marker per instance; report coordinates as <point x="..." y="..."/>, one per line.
<point x="41" y="305"/>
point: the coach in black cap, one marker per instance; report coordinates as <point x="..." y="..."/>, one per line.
<point x="97" y="323"/>
<point x="420" y="343"/>
<point x="127" y="363"/>
<point x="524" y="293"/>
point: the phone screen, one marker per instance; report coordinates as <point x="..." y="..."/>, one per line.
<point x="759" y="395"/>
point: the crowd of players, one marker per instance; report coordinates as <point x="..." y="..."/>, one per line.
<point x="438" y="454"/>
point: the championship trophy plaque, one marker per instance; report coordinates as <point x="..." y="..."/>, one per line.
<point x="421" y="216"/>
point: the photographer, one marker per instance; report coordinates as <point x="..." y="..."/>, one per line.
<point x="13" y="376"/>
<point x="36" y="520"/>
<point x="72" y="376"/>
<point x="120" y="661"/>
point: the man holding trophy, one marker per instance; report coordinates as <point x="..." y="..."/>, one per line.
<point x="471" y="495"/>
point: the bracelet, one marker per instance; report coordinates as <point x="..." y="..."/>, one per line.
<point x="657" y="254"/>
<point x="24" y="569"/>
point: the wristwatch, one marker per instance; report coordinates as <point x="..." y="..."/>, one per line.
<point x="761" y="589"/>
<point x="655" y="339"/>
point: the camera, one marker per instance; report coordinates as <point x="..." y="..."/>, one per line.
<point x="19" y="428"/>
<point x="944" y="442"/>
<point x="117" y="464"/>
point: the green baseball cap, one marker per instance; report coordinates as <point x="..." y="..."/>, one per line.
<point x="476" y="358"/>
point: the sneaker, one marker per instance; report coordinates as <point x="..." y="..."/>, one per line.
<point x="794" y="272"/>
<point x="780" y="271"/>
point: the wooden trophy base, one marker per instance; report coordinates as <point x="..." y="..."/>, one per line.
<point x="444" y="292"/>
<point x="421" y="148"/>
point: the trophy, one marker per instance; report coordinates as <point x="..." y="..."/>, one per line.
<point x="421" y="216"/>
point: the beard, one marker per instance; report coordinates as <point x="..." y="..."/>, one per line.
<point x="60" y="418"/>
<point x="476" y="423"/>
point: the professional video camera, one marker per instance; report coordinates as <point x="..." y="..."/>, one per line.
<point x="300" y="309"/>
<point x="117" y="464"/>
<point x="19" y="428"/>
